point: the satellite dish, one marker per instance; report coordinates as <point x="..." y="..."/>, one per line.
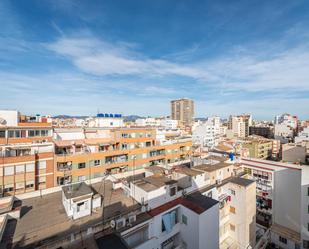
<point x="3" y="121"/>
<point x="69" y="163"/>
<point x="113" y="224"/>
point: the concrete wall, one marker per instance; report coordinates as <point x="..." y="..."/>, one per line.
<point x="190" y="232"/>
<point x="10" y="118"/>
<point x="287" y="198"/>
<point x="293" y="153"/>
<point x="304" y="202"/>
<point x="209" y="228"/>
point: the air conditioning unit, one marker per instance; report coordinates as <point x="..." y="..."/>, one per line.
<point x="120" y="223"/>
<point x="132" y="218"/>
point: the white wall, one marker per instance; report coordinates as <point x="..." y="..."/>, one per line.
<point x="10" y="118"/>
<point x="190" y="232"/>
<point x="287" y="198"/>
<point x="209" y="228"/>
<point x="304" y="202"/>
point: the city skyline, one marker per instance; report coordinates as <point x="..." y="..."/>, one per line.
<point x="74" y="58"/>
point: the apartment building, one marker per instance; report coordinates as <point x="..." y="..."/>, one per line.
<point x="282" y="200"/>
<point x="26" y="154"/>
<point x="83" y="154"/>
<point x="262" y="130"/>
<point x="238" y="126"/>
<point x="285" y="128"/>
<point x="303" y="136"/>
<point x="206" y="199"/>
<point x="183" y="111"/>
<point x="258" y="147"/>
<point x="294" y="153"/>
<point x="207" y="134"/>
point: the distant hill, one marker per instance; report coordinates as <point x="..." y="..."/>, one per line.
<point x="131" y="118"/>
<point x="69" y="116"/>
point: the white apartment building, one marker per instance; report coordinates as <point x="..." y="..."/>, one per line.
<point x="106" y="120"/>
<point x="147" y="122"/>
<point x="207" y="134"/>
<point x="282" y="200"/>
<point x="303" y="136"/>
<point x="285" y="127"/>
<point x="188" y="211"/>
<point x="238" y="126"/>
<point x="169" y="124"/>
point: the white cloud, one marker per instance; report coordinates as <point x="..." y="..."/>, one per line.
<point x="244" y="70"/>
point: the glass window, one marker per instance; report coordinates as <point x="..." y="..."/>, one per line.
<point x="19" y="169"/>
<point x="30" y="167"/>
<point x="82" y="165"/>
<point x="8" y="171"/>
<point x="97" y="162"/>
<point x="2" y="133"/>
<point x="283" y="240"/>
<point x="31" y="133"/>
<point x="42" y="164"/>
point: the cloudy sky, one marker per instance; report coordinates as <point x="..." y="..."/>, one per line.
<point x="133" y="57"/>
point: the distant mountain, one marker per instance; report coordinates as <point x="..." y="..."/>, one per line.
<point x="131" y="118"/>
<point x="69" y="116"/>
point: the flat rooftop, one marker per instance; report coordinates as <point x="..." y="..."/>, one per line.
<point x="44" y="218"/>
<point x="212" y="167"/>
<point x="187" y="171"/>
<point x="153" y="182"/>
<point x="6" y="204"/>
<point x="285" y="232"/>
<point x="196" y="202"/>
<point x="77" y="190"/>
<point x="111" y="241"/>
<point x="241" y="181"/>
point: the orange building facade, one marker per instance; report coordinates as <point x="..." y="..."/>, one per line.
<point x="26" y="158"/>
<point x="120" y="150"/>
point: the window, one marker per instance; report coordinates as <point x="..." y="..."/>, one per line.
<point x="232" y="210"/>
<point x="31" y="133"/>
<point x="232" y="191"/>
<point x="8" y="171"/>
<point x="297" y="246"/>
<point x="97" y="162"/>
<point x="232" y="227"/>
<point x="30" y="167"/>
<point x="124" y="146"/>
<point x="29" y="184"/>
<point x="283" y="240"/>
<point x="81" y="178"/>
<point x="2" y="134"/>
<point x="19" y="169"/>
<point x="8" y="188"/>
<point x="44" y="133"/>
<point x="184" y="219"/>
<point x="169" y="220"/>
<point x="306" y="244"/>
<point x="42" y="165"/>
<point x="81" y="206"/>
<point x="14" y="134"/>
<point x="82" y="165"/>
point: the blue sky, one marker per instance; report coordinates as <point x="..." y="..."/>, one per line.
<point x="133" y="57"/>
